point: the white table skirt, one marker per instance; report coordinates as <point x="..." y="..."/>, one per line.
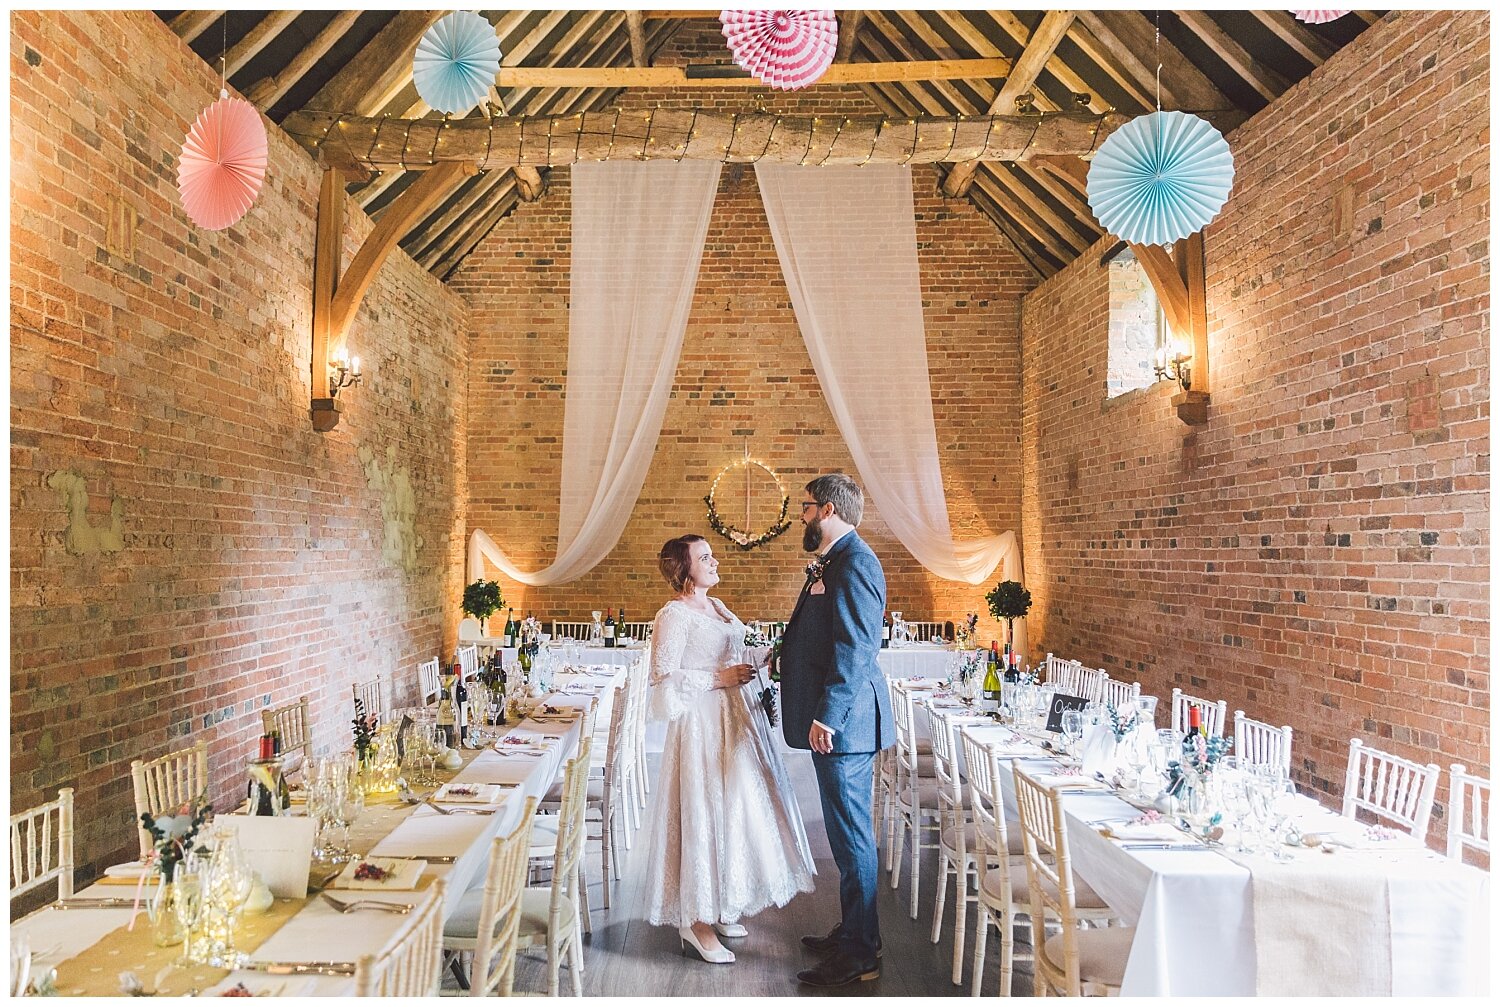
<point x="923" y="660"/>
<point x="1192" y="910"/>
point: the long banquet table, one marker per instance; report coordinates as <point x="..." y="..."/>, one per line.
<point x="67" y="939"/>
<point x="1193" y="909"/>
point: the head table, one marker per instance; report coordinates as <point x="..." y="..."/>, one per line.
<point x="89" y="948"/>
<point x="1390" y="914"/>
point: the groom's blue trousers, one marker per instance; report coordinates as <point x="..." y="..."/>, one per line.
<point x="846" y="784"/>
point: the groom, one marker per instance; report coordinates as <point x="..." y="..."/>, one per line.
<point x="834" y="701"/>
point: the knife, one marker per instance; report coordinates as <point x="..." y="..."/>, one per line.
<point x="299" y="968"/>
<point x="94" y="903"/>
<point x="1164" y="846"/>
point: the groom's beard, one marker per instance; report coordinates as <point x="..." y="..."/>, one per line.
<point x="812" y="535"/>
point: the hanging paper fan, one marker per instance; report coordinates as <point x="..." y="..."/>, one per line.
<point x="223" y="163"/>
<point x="785" y="49"/>
<point x="1160" y="177"/>
<point x="456" y="62"/>
<point x="1318" y="16"/>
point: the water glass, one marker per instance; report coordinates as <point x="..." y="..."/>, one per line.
<point x="1072" y="729"/>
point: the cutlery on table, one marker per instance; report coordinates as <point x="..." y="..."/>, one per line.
<point x="94" y="903"/>
<point x="1164" y="846"/>
<point x="438" y="860"/>
<point x="399" y="908"/>
<point x="299" y="968"/>
<point x="456" y="811"/>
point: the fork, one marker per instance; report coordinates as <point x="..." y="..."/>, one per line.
<point x="455" y="811"/>
<point x="400" y="908"/>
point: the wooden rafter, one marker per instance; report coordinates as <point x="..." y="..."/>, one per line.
<point x="1267" y="82"/>
<point x="1131" y="33"/>
<point x="269" y="90"/>
<point x="1016" y="29"/>
<point x="380" y="70"/>
<point x="257" y="38"/>
<point x="677" y="77"/>
<point x="1295" y="34"/>
<point x="467" y="201"/>
<point x="475" y="234"/>
<point x="1038" y="52"/>
<point x="1124" y="68"/>
<point x="636" y="23"/>
<point x="849" y="24"/>
<point x="191" y="23"/>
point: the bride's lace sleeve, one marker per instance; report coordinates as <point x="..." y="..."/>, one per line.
<point x="673" y="687"/>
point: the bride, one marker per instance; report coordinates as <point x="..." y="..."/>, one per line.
<point x="726" y="838"/>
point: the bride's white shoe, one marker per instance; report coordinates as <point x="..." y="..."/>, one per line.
<point x="716" y="955"/>
<point x="731" y="930"/>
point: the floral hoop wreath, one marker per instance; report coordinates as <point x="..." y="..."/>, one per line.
<point x="747" y="540"/>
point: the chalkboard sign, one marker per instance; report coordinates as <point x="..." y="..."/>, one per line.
<point x="1062" y="703"/>
<point x="406" y="725"/>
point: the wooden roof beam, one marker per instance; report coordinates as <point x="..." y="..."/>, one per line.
<point x="1039" y="50"/>
<point x="849" y="24"/>
<point x="636" y="22"/>
<point x="677" y="77"/>
<point x="1125" y="69"/>
<point x="1267" y="82"/>
<point x="256" y="39"/>
<point x="1296" y="35"/>
<point x="191" y="23"/>
<point x="1132" y="36"/>
<point x="380" y="70"/>
<point x="269" y="90"/>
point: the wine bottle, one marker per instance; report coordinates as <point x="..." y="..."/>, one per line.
<point x="992" y="686"/>
<point x="885" y="631"/>
<point x="461" y="709"/>
<point x="622" y="638"/>
<point x="1195" y="722"/>
<point x="609" y="627"/>
<point x="510" y="627"/>
<point x="445" y="716"/>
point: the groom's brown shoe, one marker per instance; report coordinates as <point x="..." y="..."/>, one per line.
<point x="840" y="970"/>
<point x="828" y="944"/>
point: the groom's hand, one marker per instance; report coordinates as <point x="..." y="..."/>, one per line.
<point x="820" y="737"/>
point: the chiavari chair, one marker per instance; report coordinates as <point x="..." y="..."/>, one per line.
<point x="166" y="784"/>
<point x="1260" y="744"/>
<point x="41" y="847"/>
<point x="1210" y="713"/>
<point x="411" y="963"/>
<point x="292" y="724"/>
<point x="1468" y="813"/>
<point x="1001" y="870"/>
<point x="1389" y="787"/>
<point x="487" y="921"/>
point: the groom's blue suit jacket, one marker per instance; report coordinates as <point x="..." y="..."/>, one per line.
<point x="828" y="655"/>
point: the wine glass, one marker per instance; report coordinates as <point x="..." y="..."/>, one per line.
<point x="898" y="629"/>
<point x="596" y="631"/>
<point x="189" y="911"/>
<point x="1072" y="729"/>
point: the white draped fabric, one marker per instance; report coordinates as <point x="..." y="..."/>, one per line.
<point x="638" y="231"/>
<point x="847" y="240"/>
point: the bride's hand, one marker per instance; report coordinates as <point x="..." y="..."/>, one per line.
<point x="733" y="676"/>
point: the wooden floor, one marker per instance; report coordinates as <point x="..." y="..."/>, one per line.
<point x="627" y="957"/>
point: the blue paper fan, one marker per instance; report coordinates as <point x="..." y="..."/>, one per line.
<point x="1160" y="178"/>
<point x="456" y="62"/>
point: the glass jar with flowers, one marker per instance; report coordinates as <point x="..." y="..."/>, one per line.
<point x="173" y="839"/>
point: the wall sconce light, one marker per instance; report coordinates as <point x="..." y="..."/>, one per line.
<point x="343" y="372"/>
<point x="1177" y="367"/>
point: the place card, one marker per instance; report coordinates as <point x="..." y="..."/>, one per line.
<point x="1062" y="703"/>
<point x="278" y="848"/>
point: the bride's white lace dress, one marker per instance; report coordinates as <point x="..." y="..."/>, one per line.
<point x="726" y="839"/>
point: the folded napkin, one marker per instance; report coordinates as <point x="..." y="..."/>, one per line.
<point x="403" y="877"/>
<point x="1063" y="782"/>
<point x="132" y="870"/>
<point x="1155" y="832"/>
<point x="484" y="793"/>
<point x="919" y="683"/>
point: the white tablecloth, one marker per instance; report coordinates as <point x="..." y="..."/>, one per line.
<point x="1192" y="910"/>
<point x="319" y="933"/>
<point x="917" y="659"/>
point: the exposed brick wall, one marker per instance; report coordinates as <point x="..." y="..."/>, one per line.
<point x="169" y="369"/>
<point x="1318" y="554"/>
<point x="744" y="373"/>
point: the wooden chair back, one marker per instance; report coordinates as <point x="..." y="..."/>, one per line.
<point x="1044" y="834"/>
<point x="1468" y="813"/>
<point x="572" y="832"/>
<point x="565" y="630"/>
<point x="1066" y="674"/>
<point x="168" y="783"/>
<point x="1390" y="787"/>
<point x="429" y="681"/>
<point x="411" y="963"/>
<point x="291" y="722"/>
<point x="1211" y="713"/>
<point x="1257" y="743"/>
<point x="468" y="660"/>
<point x="372" y="695"/>
<point x="1117" y="693"/>
<point x="41" y="846"/>
<point x="500" y="910"/>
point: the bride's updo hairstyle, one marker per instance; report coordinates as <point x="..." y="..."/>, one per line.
<point x="676" y="558"/>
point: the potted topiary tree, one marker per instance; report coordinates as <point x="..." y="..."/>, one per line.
<point x="482" y="600"/>
<point x="1009" y="601"/>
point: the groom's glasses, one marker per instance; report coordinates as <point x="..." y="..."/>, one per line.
<point x="809" y="503"/>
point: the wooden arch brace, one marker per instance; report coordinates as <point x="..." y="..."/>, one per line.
<point x="1179" y="282"/>
<point x="336" y="298"/>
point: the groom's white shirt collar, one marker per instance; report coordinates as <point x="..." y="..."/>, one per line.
<point x="828" y="546"/>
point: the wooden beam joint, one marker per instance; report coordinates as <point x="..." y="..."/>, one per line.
<point x="337" y="296"/>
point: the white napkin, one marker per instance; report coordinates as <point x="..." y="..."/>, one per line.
<point x="1099" y="749"/>
<point x="1154" y="832"/>
<point x="487" y="793"/>
<point x="133" y="869"/>
<point x="1058" y="780"/>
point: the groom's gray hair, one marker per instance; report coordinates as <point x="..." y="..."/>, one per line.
<point x="843" y="492"/>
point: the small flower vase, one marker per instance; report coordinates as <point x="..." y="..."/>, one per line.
<point x="166" y="923"/>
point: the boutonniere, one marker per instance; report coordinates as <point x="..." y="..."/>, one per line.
<point x="815" y="570"/>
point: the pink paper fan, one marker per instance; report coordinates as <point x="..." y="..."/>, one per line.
<point x="1318" y="16"/>
<point x="223" y="163"/>
<point x="785" y="49"/>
